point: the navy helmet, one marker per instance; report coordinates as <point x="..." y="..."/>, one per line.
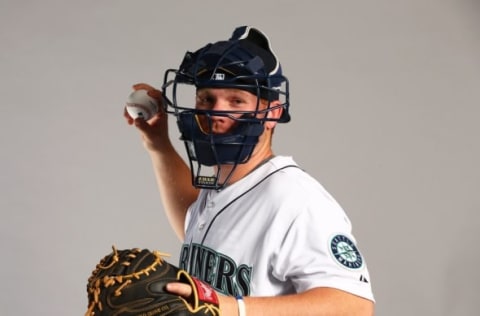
<point x="247" y="62"/>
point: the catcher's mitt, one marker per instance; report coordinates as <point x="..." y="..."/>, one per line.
<point x="132" y="282"/>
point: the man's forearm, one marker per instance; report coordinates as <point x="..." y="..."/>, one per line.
<point x="315" y="302"/>
<point x="175" y="186"/>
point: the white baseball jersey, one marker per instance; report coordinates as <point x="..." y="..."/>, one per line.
<point x="276" y="231"/>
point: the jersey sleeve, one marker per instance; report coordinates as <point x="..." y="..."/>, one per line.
<point x="319" y="250"/>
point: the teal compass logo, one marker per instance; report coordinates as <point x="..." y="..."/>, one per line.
<point x="345" y="252"/>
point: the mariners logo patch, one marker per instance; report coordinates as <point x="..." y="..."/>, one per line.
<point x="345" y="252"/>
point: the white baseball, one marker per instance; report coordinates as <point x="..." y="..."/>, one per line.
<point x="140" y="104"/>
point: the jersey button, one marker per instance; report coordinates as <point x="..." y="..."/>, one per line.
<point x="201" y="226"/>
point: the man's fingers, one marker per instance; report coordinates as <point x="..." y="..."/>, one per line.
<point x="142" y="125"/>
<point x="127" y="116"/>
<point x="142" y="86"/>
<point x="182" y="289"/>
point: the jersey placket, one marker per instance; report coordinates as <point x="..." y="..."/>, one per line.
<point x="206" y="214"/>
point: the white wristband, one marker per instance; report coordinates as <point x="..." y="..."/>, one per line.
<point x="241" y="306"/>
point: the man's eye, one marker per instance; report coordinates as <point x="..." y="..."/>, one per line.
<point x="204" y="100"/>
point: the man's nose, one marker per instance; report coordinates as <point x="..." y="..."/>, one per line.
<point x="219" y="105"/>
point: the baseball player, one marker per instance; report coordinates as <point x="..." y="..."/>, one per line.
<point x="255" y="227"/>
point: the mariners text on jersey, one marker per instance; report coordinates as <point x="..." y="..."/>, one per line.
<point x="218" y="270"/>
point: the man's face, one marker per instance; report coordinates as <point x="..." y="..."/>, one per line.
<point x="222" y="99"/>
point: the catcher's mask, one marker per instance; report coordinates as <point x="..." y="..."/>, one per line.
<point x="246" y="62"/>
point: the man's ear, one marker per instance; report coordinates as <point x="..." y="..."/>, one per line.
<point x="275" y="113"/>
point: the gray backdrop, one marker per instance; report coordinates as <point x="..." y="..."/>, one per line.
<point x="385" y="103"/>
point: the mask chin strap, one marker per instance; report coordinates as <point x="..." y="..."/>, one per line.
<point x="208" y="151"/>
